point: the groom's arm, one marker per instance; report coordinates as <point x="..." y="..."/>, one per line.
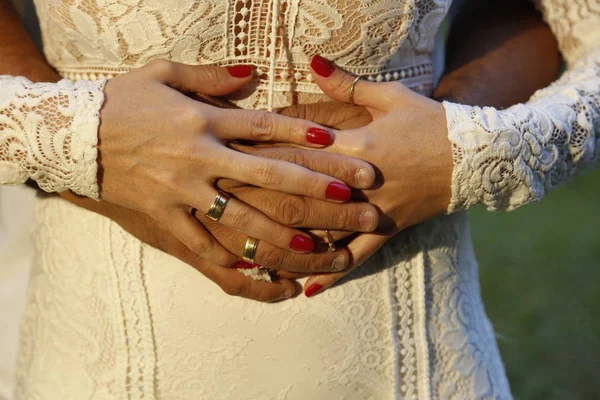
<point x="499" y="53"/>
<point x="19" y="55"/>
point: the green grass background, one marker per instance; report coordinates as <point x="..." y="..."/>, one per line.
<point x="540" y="277"/>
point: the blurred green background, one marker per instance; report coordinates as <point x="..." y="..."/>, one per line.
<point x="540" y="274"/>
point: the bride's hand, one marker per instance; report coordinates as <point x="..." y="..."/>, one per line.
<point x="161" y="151"/>
<point x="406" y="142"/>
<point x="285" y="208"/>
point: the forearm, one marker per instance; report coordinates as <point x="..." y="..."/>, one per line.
<point x="506" y="159"/>
<point x="19" y="55"/>
<point x="499" y="53"/>
<point x="48" y="131"/>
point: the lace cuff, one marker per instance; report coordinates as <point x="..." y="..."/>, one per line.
<point x="505" y="159"/>
<point x="49" y="133"/>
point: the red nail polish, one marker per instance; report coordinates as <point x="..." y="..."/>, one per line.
<point x="302" y="243"/>
<point x="322" y="66"/>
<point x="240" y="71"/>
<point x="242" y="265"/>
<point x="312" y="290"/>
<point x="338" y="191"/>
<point x="318" y="136"/>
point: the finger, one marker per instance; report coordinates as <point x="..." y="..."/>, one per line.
<point x="304" y="212"/>
<point x="356" y="173"/>
<point x="263" y="126"/>
<point x="209" y="80"/>
<point x="336" y="235"/>
<point x="191" y="233"/>
<point x="283" y="177"/>
<point x="330" y="113"/>
<point x="273" y="257"/>
<point x="234" y="283"/>
<point x="361" y="249"/>
<point x="251" y="222"/>
<point x="337" y="84"/>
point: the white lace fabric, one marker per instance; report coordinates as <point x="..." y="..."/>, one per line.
<point x="507" y="158"/>
<point x="109" y="317"/>
<point x="49" y="133"/>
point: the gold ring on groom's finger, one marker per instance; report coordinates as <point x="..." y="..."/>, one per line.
<point x="352" y="88"/>
<point x="249" y="253"/>
<point x="217" y="208"/>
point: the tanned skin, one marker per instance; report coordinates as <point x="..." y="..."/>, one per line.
<point x="499" y="53"/>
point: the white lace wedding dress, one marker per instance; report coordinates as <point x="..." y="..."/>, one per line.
<point x="108" y="317"/>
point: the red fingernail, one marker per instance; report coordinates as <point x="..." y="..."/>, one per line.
<point x="240" y="71"/>
<point x="302" y="243"/>
<point x="318" y="136"/>
<point x="312" y="290"/>
<point x="338" y="191"/>
<point x="242" y="265"/>
<point x="322" y="66"/>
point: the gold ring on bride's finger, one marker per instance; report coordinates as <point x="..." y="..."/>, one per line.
<point x="329" y="241"/>
<point x="249" y="253"/>
<point x="352" y="88"/>
<point x="217" y="208"/>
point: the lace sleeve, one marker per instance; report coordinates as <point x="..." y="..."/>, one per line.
<point x="49" y="133"/>
<point x="505" y="159"/>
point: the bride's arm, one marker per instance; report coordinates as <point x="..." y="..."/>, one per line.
<point x="60" y="155"/>
<point x="506" y="159"/>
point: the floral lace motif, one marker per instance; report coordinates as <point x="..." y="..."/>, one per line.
<point x="133" y="322"/>
<point x="505" y="159"/>
<point x="105" y="38"/>
<point x="48" y="132"/>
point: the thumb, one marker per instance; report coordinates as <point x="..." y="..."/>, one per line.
<point x="202" y="79"/>
<point x="337" y="84"/>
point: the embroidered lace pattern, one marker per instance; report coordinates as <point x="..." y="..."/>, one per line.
<point x="104" y="38"/>
<point x="505" y="159"/>
<point x="108" y="317"/>
<point x="48" y="132"/>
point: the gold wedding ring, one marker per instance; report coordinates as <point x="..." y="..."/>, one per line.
<point x="217" y="208"/>
<point x="352" y="88"/>
<point x="249" y="253"/>
<point x="330" y="241"/>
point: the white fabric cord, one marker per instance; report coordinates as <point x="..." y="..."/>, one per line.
<point x="273" y="50"/>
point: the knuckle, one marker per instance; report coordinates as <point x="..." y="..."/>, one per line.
<point x="292" y="211"/>
<point x="241" y="219"/>
<point x="293" y="156"/>
<point x="161" y="66"/>
<point x="341" y="171"/>
<point x="272" y="258"/>
<point x="320" y="264"/>
<point x="361" y="146"/>
<point x="155" y="209"/>
<point x="232" y="289"/>
<point x="342" y="84"/>
<point x="267" y="174"/>
<point x="193" y="117"/>
<point x="210" y="74"/>
<point x="200" y="246"/>
<point x="221" y="259"/>
<point x="262" y="295"/>
<point x="395" y="88"/>
<point x="342" y="218"/>
<point x="261" y="124"/>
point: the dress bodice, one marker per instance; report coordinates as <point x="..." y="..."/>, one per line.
<point x="381" y="40"/>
